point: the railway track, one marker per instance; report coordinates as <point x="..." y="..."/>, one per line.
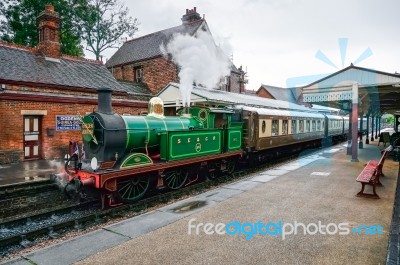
<point x="22" y="232"/>
<point x="23" y="199"/>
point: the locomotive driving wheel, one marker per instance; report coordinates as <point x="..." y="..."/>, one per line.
<point x="176" y="178"/>
<point x="230" y="166"/>
<point x="133" y="189"/>
<point x="213" y="171"/>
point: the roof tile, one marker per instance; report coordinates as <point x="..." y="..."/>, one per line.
<point x="23" y="65"/>
<point x="148" y="46"/>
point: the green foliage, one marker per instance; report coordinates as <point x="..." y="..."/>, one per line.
<point x="18" y="23"/>
<point x="99" y="24"/>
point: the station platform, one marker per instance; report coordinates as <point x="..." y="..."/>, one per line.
<point x="35" y="170"/>
<point x="315" y="193"/>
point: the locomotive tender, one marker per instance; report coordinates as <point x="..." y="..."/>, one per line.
<point x="129" y="154"/>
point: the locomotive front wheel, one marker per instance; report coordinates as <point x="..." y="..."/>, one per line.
<point x="133" y="189"/>
<point x="175" y="179"/>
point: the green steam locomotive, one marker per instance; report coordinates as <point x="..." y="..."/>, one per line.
<point x="129" y="154"/>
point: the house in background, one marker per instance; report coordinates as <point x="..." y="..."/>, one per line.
<point x="140" y="62"/>
<point x="43" y="93"/>
<point x="280" y="93"/>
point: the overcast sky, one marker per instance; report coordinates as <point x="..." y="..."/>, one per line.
<point x="279" y="39"/>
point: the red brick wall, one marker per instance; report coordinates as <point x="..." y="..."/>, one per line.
<point x="117" y="72"/>
<point x="128" y="73"/>
<point x="157" y="73"/>
<point x="11" y="124"/>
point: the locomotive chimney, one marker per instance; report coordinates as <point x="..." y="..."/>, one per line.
<point x="104" y="100"/>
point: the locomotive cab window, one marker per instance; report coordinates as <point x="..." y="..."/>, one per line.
<point x="275" y="128"/>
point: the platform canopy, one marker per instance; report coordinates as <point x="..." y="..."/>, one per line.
<point x="378" y="92"/>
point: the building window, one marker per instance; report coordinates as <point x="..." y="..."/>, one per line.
<point x="275" y="128"/>
<point x="138" y="75"/>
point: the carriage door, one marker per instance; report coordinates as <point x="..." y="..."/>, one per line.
<point x="253" y="129"/>
<point x="32" y="135"/>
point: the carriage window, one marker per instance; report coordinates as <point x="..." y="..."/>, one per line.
<point x="284" y="127"/>
<point x="307" y="125"/>
<point x="318" y="125"/>
<point x="294" y="126"/>
<point x="314" y="125"/>
<point x="263" y="127"/>
<point x="301" y="126"/>
<point x="275" y="128"/>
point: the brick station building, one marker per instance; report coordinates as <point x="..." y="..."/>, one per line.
<point x="141" y="61"/>
<point x="43" y="92"/>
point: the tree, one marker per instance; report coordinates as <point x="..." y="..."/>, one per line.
<point x="18" y="22"/>
<point x="104" y="23"/>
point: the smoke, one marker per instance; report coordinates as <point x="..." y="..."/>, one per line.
<point x="59" y="177"/>
<point x="200" y="62"/>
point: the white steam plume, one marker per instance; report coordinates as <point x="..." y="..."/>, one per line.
<point x="200" y="62"/>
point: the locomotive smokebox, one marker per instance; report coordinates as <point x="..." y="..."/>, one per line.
<point x="104" y="98"/>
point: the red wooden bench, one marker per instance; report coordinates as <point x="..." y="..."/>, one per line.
<point x="371" y="174"/>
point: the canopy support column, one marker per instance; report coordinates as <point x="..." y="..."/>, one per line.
<point x="354" y="121"/>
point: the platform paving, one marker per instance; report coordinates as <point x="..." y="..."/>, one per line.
<point x="36" y="170"/>
<point x="316" y="188"/>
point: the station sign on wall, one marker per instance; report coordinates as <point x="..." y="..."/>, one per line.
<point x="68" y="123"/>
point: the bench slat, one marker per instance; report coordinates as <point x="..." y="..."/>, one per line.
<point x="366" y="175"/>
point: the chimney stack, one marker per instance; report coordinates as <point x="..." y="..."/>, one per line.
<point x="49" y="36"/>
<point x="104" y="100"/>
<point x="191" y="16"/>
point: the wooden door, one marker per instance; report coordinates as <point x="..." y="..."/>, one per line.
<point x="32" y="137"/>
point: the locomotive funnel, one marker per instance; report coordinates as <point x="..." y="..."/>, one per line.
<point x="104" y="100"/>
